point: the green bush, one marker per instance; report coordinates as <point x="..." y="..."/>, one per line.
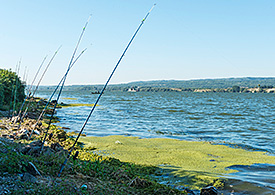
<point x="1" y="95"/>
<point x="9" y="83"/>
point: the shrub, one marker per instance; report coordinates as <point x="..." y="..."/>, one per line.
<point x="9" y="83"/>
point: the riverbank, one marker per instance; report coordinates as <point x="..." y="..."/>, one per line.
<point x="175" y="163"/>
<point x="24" y="171"/>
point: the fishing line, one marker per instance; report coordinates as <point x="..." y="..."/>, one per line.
<point x="62" y="85"/>
<point x="12" y="92"/>
<point x="49" y="100"/>
<point x="43" y="74"/>
<point x="24" y="75"/>
<point x="15" y="91"/>
<point x="87" y="119"/>
<point x="30" y="88"/>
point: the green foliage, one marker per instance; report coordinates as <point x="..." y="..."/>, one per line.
<point x="1" y="94"/>
<point x="8" y="80"/>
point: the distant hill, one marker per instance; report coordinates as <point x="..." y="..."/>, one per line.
<point x="208" y="83"/>
<point x="193" y="84"/>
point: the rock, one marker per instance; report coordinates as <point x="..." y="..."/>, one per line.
<point x="36" y="143"/>
<point x="15" y="119"/>
<point x="54" y="101"/>
<point x="56" y="147"/>
<point x="3" y="127"/>
<point x="210" y="190"/>
<point x="61" y="136"/>
<point x="84" y="187"/>
<point x="75" y="155"/>
<point x="34" y="150"/>
<point x="29" y="178"/>
<point x="47" y="151"/>
<point x="25" y="150"/>
<point x="36" y="132"/>
<point x="5" y="135"/>
<point x="23" y="136"/>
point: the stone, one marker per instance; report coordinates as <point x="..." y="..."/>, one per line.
<point x="23" y="136"/>
<point x="47" y="151"/>
<point x="34" y="150"/>
<point x="36" y="132"/>
<point x="3" y="127"/>
<point x="25" y="149"/>
<point x="56" y="147"/>
<point x="27" y="177"/>
<point x="84" y="187"/>
<point x="62" y="136"/>
<point x="36" y="143"/>
<point x="210" y="190"/>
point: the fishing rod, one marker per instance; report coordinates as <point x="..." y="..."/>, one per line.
<point x="24" y="75"/>
<point x="63" y="82"/>
<point x="49" y="100"/>
<point x="15" y="91"/>
<point x="43" y="74"/>
<point x="12" y="92"/>
<point x="87" y="119"/>
<point x="30" y="88"/>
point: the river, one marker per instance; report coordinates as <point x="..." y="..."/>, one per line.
<point x="243" y="120"/>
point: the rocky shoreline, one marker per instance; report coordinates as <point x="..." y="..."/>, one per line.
<point x="25" y="169"/>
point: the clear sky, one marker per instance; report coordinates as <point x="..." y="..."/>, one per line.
<point x="181" y="39"/>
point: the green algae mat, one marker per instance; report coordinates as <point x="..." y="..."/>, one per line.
<point x="76" y="105"/>
<point x="195" y="163"/>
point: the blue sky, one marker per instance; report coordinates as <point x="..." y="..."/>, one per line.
<point x="181" y="39"/>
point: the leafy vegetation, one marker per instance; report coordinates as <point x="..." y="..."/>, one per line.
<point x="10" y="84"/>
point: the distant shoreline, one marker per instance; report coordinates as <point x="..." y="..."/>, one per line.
<point x="243" y="85"/>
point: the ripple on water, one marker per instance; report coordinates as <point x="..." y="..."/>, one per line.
<point x="262" y="176"/>
<point x="229" y="114"/>
<point x="245" y="120"/>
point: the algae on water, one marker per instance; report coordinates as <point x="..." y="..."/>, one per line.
<point x="196" y="163"/>
<point x="76" y="105"/>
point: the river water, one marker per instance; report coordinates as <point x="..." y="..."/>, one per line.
<point x="239" y="119"/>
